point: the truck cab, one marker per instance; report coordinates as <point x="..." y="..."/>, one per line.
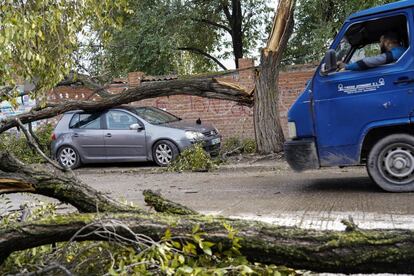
<point x="365" y="117"/>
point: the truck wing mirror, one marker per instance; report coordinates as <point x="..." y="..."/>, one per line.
<point x="329" y="63"/>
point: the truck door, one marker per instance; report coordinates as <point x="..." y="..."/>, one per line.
<point x="347" y="102"/>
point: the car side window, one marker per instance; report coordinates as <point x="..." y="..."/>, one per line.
<point x="119" y="120"/>
<point x="86" y="121"/>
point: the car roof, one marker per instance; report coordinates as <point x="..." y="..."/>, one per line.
<point x="384" y="8"/>
<point x="126" y="107"/>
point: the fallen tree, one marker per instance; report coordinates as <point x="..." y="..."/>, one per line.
<point x="352" y="251"/>
<point x="202" y="87"/>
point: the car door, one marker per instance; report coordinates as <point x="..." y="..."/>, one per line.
<point x="88" y="136"/>
<point x="348" y="102"/>
<point x="121" y="142"/>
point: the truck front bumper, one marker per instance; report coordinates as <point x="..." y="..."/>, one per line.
<point x="302" y="155"/>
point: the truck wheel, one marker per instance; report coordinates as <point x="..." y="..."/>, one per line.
<point x="391" y="163"/>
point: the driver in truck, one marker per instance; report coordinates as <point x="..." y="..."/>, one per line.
<point x="391" y="51"/>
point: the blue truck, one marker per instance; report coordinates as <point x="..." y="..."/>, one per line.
<point x="354" y="112"/>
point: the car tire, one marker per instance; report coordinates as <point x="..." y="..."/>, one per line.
<point x="164" y="152"/>
<point x="391" y="163"/>
<point x="68" y="157"/>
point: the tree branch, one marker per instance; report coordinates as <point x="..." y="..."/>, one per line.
<point x="201" y="52"/>
<point x="226" y="11"/>
<point x="32" y="142"/>
<point x="87" y="81"/>
<point x="214" y="24"/>
<point x="166" y="206"/>
<point x="17" y="177"/>
<point x="209" y="88"/>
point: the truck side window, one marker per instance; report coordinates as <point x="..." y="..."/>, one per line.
<point x="369" y="50"/>
<point x="373" y="43"/>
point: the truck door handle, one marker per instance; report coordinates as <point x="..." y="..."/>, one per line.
<point x="404" y="80"/>
<point x="108" y="135"/>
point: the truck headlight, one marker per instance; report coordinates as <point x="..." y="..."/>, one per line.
<point x="292" y="130"/>
<point x="194" y="135"/>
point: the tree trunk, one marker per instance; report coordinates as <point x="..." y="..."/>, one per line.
<point x="268" y="130"/>
<point x="236" y="31"/>
<point x="355" y="251"/>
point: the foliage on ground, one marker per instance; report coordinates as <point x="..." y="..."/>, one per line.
<point x="16" y="143"/>
<point x="235" y="145"/>
<point x="184" y="255"/>
<point x="194" y="159"/>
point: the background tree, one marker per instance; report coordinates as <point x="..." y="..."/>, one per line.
<point x="316" y="24"/>
<point x="184" y="37"/>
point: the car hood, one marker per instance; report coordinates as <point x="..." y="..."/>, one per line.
<point x="190" y="125"/>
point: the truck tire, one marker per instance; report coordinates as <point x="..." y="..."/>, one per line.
<point x="391" y="163"/>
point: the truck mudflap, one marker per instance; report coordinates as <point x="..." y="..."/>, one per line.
<point x="301" y="155"/>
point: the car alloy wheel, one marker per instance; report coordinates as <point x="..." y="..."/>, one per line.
<point x="164" y="154"/>
<point x="68" y="157"/>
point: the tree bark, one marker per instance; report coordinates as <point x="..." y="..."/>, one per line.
<point x="17" y="177"/>
<point x="374" y="251"/>
<point x="268" y="130"/>
<point x="202" y="87"/>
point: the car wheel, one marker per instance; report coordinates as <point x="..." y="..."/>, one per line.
<point x="164" y="152"/>
<point x="391" y="163"/>
<point x="68" y="157"/>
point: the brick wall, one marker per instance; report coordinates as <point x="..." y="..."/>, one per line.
<point x="229" y="118"/>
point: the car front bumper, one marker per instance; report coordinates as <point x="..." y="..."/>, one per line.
<point x="301" y="154"/>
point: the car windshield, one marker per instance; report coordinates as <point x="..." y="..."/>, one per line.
<point x="155" y="116"/>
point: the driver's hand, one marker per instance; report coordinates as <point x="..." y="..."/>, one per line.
<point x="341" y="65"/>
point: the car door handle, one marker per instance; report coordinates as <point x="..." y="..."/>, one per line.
<point x="404" y="80"/>
<point x="75" y="135"/>
<point x="108" y="135"/>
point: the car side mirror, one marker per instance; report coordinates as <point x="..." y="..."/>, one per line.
<point x="137" y="127"/>
<point x="329" y="63"/>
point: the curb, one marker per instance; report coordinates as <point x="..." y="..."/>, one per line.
<point x="276" y="166"/>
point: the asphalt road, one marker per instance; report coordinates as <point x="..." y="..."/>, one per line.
<point x="317" y="199"/>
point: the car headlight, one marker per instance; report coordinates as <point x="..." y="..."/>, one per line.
<point x="194" y="135"/>
<point x="292" y="130"/>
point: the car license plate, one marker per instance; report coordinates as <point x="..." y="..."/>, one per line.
<point x="215" y="141"/>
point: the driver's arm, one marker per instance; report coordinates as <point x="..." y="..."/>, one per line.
<point x="370" y="62"/>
